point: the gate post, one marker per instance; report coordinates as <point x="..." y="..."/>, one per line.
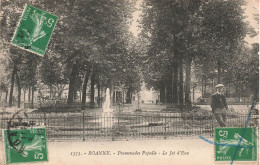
<point x="83" y="123"/>
<point x="114" y="127"/>
<point x="165" y="125"/>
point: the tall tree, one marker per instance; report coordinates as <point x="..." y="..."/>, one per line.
<point x="208" y="31"/>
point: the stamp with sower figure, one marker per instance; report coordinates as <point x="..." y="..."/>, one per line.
<point x="237" y="144"/>
<point x="23" y="143"/>
<point x="34" y="30"/>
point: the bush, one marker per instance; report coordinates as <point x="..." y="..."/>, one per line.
<point x="53" y="105"/>
<point x="201" y="100"/>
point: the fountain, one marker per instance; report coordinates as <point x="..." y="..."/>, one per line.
<point x="107" y="115"/>
<point x="115" y="122"/>
<point x="106" y="107"/>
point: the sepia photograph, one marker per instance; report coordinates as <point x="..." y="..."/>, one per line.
<point x="118" y="82"/>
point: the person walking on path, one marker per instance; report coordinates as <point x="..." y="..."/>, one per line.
<point x="219" y="105"/>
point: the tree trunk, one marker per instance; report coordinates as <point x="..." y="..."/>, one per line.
<point x="219" y="71"/>
<point x="75" y="94"/>
<point x="101" y="99"/>
<point x="24" y="93"/>
<point x="202" y="85"/>
<point x="92" y="91"/>
<point x="123" y="97"/>
<point x="181" y="92"/>
<point x="84" y="90"/>
<point x="167" y="89"/>
<point x="128" y="96"/>
<point x="19" y="90"/>
<point x="193" y="92"/>
<point x="29" y="94"/>
<point x="187" y="81"/>
<point x="12" y="86"/>
<point x="229" y="89"/>
<point x="170" y="86"/>
<point x="32" y="96"/>
<point x="212" y="80"/>
<point x="98" y="86"/>
<point x="175" y="85"/>
<point x="165" y="93"/>
<point x="162" y="93"/>
<point x="113" y="96"/>
<point x="72" y="83"/>
<point x="6" y="96"/>
<point x="239" y="96"/>
<point x="205" y="88"/>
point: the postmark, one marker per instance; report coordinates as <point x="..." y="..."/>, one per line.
<point x="234" y="144"/>
<point x="34" y="30"/>
<point x="22" y="142"/>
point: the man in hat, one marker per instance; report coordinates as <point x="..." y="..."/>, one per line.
<point x="219" y="105"/>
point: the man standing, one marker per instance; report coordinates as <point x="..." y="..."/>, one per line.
<point x="219" y="105"/>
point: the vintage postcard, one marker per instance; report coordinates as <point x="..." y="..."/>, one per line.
<point x="121" y="82"/>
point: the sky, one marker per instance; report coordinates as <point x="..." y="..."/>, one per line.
<point x="251" y="8"/>
<point x="136" y="15"/>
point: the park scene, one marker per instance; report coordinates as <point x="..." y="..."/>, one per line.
<point x="131" y="69"/>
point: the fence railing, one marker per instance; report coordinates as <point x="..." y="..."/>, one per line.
<point x="119" y="126"/>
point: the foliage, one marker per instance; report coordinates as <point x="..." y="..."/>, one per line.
<point x="87" y="33"/>
<point x="211" y="33"/>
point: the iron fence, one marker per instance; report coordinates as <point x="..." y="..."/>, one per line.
<point x="126" y="126"/>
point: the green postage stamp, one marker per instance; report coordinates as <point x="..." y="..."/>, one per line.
<point x="34" y="30"/>
<point x="25" y="145"/>
<point x="237" y="144"/>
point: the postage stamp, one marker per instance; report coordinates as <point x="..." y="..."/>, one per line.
<point x="25" y="145"/>
<point x="237" y="144"/>
<point x="23" y="141"/>
<point x="34" y="30"/>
